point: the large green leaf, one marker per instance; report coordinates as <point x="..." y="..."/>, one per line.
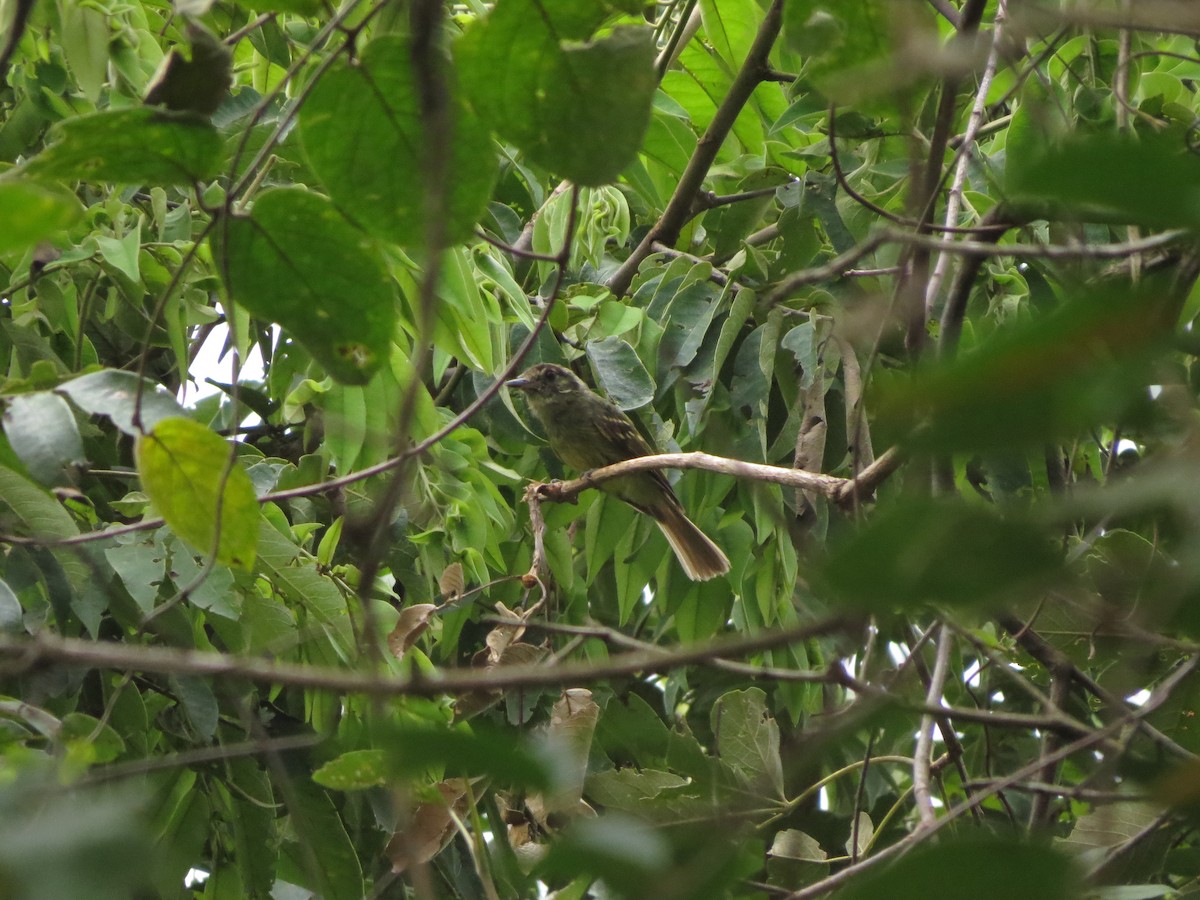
<point x="857" y="50"/>
<point x="131" y="146"/>
<point x="39" y="515"/>
<point x="325" y="855"/>
<point x="997" y="868"/>
<point x="1086" y="363"/>
<point x="364" y="135"/>
<point x="31" y="212"/>
<point x="950" y="553"/>
<point x="304" y="587"/>
<point x="113" y="393"/>
<point x="620" y="372"/>
<point x="1151" y="180"/>
<point x="41" y="429"/>
<point x="748" y="738"/>
<point x="577" y="107"/>
<point x="296" y="261"/>
<point x="186" y="470"/>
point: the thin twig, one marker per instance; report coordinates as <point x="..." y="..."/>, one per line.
<point x="837" y="266"/>
<point x="922" y="756"/>
<point x="1160" y="695"/>
<point x="964" y="151"/>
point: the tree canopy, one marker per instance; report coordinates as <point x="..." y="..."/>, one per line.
<point x="905" y="291"/>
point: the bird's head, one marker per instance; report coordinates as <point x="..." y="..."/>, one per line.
<point x="549" y="382"/>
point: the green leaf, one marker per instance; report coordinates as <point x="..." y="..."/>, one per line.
<point x="294" y="260"/>
<point x="921" y="552"/>
<point x="41" y="516"/>
<point x="577" y="108"/>
<point x="85" y="36"/>
<point x="957" y="869"/>
<point x="252" y="818"/>
<point x="1048" y="377"/>
<point x="365" y="138"/>
<point x="686" y="321"/>
<point x="31" y="212"/>
<point x="473" y="753"/>
<point x="41" y="429"/>
<point x="854" y="51"/>
<point x="106" y="745"/>
<point x="748" y="738"/>
<point x="131" y="146"/>
<point x="209" y="502"/>
<point x="300" y="7"/>
<point x="649" y="794"/>
<point x="354" y="771"/>
<point x="304" y="587"/>
<point x="87" y="843"/>
<point x="113" y="393"/>
<point x="622" y="850"/>
<point x="1151" y="179"/>
<point x="141" y="566"/>
<point x="324" y="850"/>
<point x="10" y="609"/>
<point x="730" y="28"/>
<point x="619" y="371"/>
<point x="122" y="254"/>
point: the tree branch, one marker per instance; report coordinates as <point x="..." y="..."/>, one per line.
<point x="1160" y="695"/>
<point x="27" y="653"/>
<point x="839" y="264"/>
<point x="922" y="756"/>
<point x="840" y="490"/>
<point x="666" y="230"/>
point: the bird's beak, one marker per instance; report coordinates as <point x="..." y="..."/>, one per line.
<point x="519" y="383"/>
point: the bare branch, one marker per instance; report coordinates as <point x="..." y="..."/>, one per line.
<point x="830" y="485"/>
<point x="839" y="264"/>
<point x="922" y="757"/>
<point x="24" y="653"/>
<point x="1160" y="695"/>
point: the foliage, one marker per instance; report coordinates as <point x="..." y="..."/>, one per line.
<point x="304" y="632"/>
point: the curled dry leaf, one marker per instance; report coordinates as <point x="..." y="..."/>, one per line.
<point x="500" y="637"/>
<point x="521" y="837"/>
<point x="794" y="844"/>
<point x="451" y="583"/>
<point x="569" y="735"/>
<point x="411" y="625"/>
<point x="429" y="826"/>
<point x="503" y="649"/>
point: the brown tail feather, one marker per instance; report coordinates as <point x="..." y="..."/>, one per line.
<point x="700" y="557"/>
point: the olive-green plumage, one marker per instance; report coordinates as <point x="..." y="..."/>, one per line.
<point x="587" y="432"/>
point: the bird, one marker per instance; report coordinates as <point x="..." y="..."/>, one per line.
<point x="587" y="431"/>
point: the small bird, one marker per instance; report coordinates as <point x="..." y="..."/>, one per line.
<point x="587" y="432"/>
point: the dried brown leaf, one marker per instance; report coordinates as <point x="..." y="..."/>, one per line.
<point x="411" y="625"/>
<point x="429" y="827"/>
<point x="500" y="637"/>
<point x="572" y="724"/>
<point x="451" y="583"/>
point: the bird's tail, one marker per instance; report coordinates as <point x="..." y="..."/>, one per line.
<point x="700" y="557"/>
